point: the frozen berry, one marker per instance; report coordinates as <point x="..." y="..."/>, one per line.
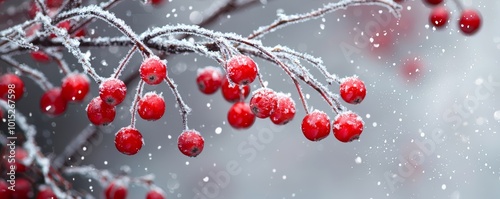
<point x="233" y="94"/>
<point x="4" y="189"/>
<point x="156" y="2"/>
<point x="17" y="161"/>
<point x="11" y="87"/>
<point x="151" y="106"/>
<point x="115" y="191"/>
<point x="52" y="103"/>
<point x="262" y="102"/>
<point x="128" y="140"/>
<point x="439" y="16"/>
<point x="241" y="69"/>
<point x="54" y="3"/>
<point x="112" y="91"/>
<point x="40" y="56"/>
<point x="155" y="194"/>
<point x="209" y="79"/>
<point x="75" y="87"/>
<point x="316" y="125"/>
<point x="240" y="116"/>
<point x="66" y="25"/>
<point x="433" y="2"/>
<point x="352" y="90"/>
<point x="100" y="113"/>
<point x="153" y="70"/>
<point x="284" y="109"/>
<point x="190" y="143"/>
<point x="470" y="21"/>
<point x="347" y="126"/>
<point x="23" y="189"/>
<point x="46" y="193"/>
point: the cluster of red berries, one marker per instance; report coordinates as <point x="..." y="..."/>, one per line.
<point x="117" y="190"/>
<point x="469" y="23"/>
<point x="279" y="107"/>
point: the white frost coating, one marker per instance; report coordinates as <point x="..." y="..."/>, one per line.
<point x="284" y="20"/>
<point x="34" y="153"/>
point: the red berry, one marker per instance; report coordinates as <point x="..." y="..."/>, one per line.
<point x="352" y="90"/>
<point x="54" y="3"/>
<point x="128" y="141"/>
<point x="233" y="94"/>
<point x="284" y="109"/>
<point x="190" y="143"/>
<point x="153" y="71"/>
<point x="241" y="69"/>
<point x="262" y="102"/>
<point x="115" y="191"/>
<point x="46" y="193"/>
<point x="470" y="21"/>
<point x="412" y="69"/>
<point x="40" y="56"/>
<point x="156" y="2"/>
<point x="316" y="125"/>
<point x="80" y="33"/>
<point x="100" y="113"/>
<point x="433" y="2"/>
<point x="64" y="25"/>
<point x="209" y="79"/>
<point x="4" y="190"/>
<point x="23" y="189"/>
<point x="155" y="194"/>
<point x="347" y="126"/>
<point x="52" y="103"/>
<point x="11" y="87"/>
<point x="75" y="87"/>
<point x="20" y="156"/>
<point x="439" y="16"/>
<point x="151" y="106"/>
<point x="112" y="91"/>
<point x="240" y="116"/>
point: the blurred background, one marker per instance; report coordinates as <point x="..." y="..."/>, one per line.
<point x="431" y="113"/>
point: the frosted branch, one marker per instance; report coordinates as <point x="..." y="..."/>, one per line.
<point x="183" y="107"/>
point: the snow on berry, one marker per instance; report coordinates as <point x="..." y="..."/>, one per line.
<point x="262" y="102"/>
<point x="209" y="79"/>
<point x="470" y="21"/>
<point x="439" y="16"/>
<point x="233" y="93"/>
<point x="52" y="103"/>
<point x="128" y="140"/>
<point x="284" y="109"/>
<point x="13" y="83"/>
<point x="352" y="90"/>
<point x="151" y="106"/>
<point x="113" y="91"/>
<point x="241" y="69"/>
<point x="316" y="125"/>
<point x="190" y="143"/>
<point x="347" y="126"/>
<point x="75" y="87"/>
<point x="115" y="190"/>
<point x="240" y="116"/>
<point x="153" y="70"/>
<point x="100" y="113"/>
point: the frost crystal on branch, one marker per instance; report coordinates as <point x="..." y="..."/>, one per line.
<point x="54" y="30"/>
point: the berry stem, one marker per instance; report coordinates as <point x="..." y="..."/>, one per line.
<point x="459" y="5"/>
<point x="137" y="97"/>
<point x="41" y="6"/>
<point x="183" y="107"/>
<point x="123" y="62"/>
<point x="32" y="73"/>
<point x="301" y="95"/>
<point x="63" y="66"/>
